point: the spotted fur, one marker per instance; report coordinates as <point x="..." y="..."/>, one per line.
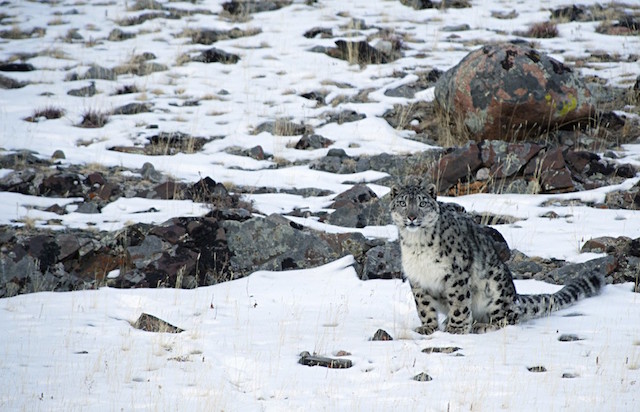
<point x="453" y="268"/>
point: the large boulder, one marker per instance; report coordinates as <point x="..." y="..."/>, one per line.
<point x="509" y="92"/>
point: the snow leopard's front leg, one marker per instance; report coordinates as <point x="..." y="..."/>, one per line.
<point x="426" y="311"/>
<point x="458" y="295"/>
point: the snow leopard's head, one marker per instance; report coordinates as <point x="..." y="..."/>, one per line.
<point x="413" y="205"/>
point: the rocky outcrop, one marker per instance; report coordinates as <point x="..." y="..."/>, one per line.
<point x="496" y="166"/>
<point x="511" y="92"/>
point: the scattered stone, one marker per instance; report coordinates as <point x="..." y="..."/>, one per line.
<point x="512" y="92"/>
<point x="605" y="266"/>
<point x="359" y="52"/>
<point x="345" y="116"/>
<point x="536" y="369"/>
<point x="9" y="83"/>
<point x="283" y="127"/>
<point x="313" y="141"/>
<point x="445" y="349"/>
<point x="151" y="323"/>
<point x="215" y="55"/>
<point x="332" y="363"/>
<point x="425" y="80"/>
<point x="608" y="244"/>
<point x="16" y="67"/>
<point x="381" y="335"/>
<point x="94" y="72"/>
<point x="323" y="32"/>
<point x="245" y="7"/>
<point x="210" y="36"/>
<point x="422" y="377"/>
<point x="459" y="27"/>
<point x="428" y="4"/>
<point x="569" y="375"/>
<point x="133" y="108"/>
<point x="119" y="35"/>
<point x="383" y="262"/>
<point x="86" y="91"/>
<point x="58" y="154"/>
<point x="569" y="338"/>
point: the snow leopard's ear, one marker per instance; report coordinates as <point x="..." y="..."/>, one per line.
<point x="394" y="191"/>
<point x="430" y="188"/>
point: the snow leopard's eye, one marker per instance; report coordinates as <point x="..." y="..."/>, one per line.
<point x="402" y="203"/>
<point x="423" y="203"/>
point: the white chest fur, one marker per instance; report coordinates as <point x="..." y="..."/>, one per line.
<point x="422" y="263"/>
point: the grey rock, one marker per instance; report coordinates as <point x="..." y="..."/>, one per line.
<point x="604" y="266"/>
<point x="133" y="108"/>
<point x="147" y="252"/>
<point x="382" y="262"/>
<point x="270" y="244"/>
<point x="308" y="359"/>
<point x="215" y="55"/>
<point x="381" y="335"/>
<point x="88" y="208"/>
<point x="422" y="377"/>
<point x="150" y="323"/>
<point x="9" y="83"/>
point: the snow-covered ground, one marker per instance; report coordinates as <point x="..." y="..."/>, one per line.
<point x="242" y="339"/>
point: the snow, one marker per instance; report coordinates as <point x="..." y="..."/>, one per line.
<point x="242" y="339"/>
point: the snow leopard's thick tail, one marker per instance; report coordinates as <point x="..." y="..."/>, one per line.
<point x="535" y="306"/>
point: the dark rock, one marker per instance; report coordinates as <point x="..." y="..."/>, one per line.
<point x="214" y="55"/>
<point x="244" y="7"/>
<point x="381" y="335"/>
<point x="506" y="159"/>
<point x="308" y="359"/>
<point x="428" y="4"/>
<point x="456" y="166"/>
<point x="313" y="141"/>
<point x="445" y="349"/>
<point x="151" y="323"/>
<point x="148" y="251"/>
<point x="318" y="96"/>
<point x="570" y="13"/>
<point x="88" y="208"/>
<point x="459" y="27"/>
<point x="210" y="36"/>
<point x="618" y="246"/>
<point x="256" y="152"/>
<point x="354" y="208"/>
<point x="536" y="368"/>
<point x="359" y="52"/>
<point x="149" y="172"/>
<point x="9" y="83"/>
<point x="167" y="190"/>
<point x="95" y="72"/>
<point x="282" y="127"/>
<point x="119" y="35"/>
<point x="422" y="377"/>
<point x="509" y="92"/>
<point x="345" y="116"/>
<point x="569" y="338"/>
<point x="382" y="262"/>
<point x="16" y="67"/>
<point x="133" y="108"/>
<point x="167" y="143"/>
<point x="61" y="185"/>
<point x="324" y="32"/>
<point x="605" y="266"/>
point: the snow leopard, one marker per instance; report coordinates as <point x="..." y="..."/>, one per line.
<point x="453" y="268"/>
